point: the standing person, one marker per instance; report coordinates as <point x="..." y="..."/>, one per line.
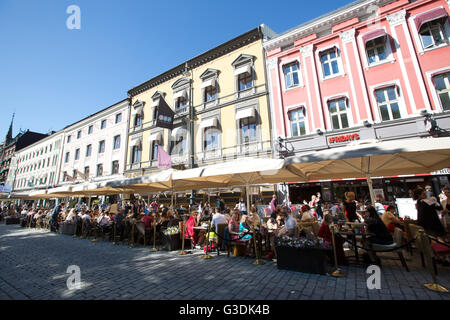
<point x="349" y="207"/>
<point x="114" y="208"/>
<point x="55" y="214"/>
<point x="427" y="215"/>
<point x="429" y="192"/>
<point x="379" y="205"/>
<point x="154" y="206"/>
<point x="445" y="203"/>
<point x="313" y="202"/>
<point x="241" y="206"/>
<point x="319" y="204"/>
<point x="274" y="203"/>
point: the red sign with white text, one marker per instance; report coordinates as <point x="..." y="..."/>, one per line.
<point x="344" y="138"/>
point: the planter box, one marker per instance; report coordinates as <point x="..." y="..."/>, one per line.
<point x="302" y="260"/>
<point x="172" y="242"/>
<point x="9" y="220"/>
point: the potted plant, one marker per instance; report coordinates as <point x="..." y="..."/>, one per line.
<point x="304" y="254"/>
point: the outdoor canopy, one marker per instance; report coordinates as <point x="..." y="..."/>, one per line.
<point x="367" y="160"/>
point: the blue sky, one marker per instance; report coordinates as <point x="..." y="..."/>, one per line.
<point x="51" y="76"/>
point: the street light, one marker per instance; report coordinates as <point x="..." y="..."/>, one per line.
<point x="188" y="74"/>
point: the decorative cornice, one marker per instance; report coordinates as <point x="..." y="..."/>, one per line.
<point x="397" y="18"/>
<point x="347" y="36"/>
<point x="227" y="47"/>
<point x="307" y="50"/>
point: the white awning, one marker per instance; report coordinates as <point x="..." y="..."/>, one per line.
<point x="136" y="142"/>
<point x="209" y="83"/>
<point x="138" y="110"/>
<point x="155" y="137"/>
<point x="180" y="94"/>
<point x="180" y="131"/>
<point x="155" y="103"/>
<point x="208" y="123"/>
<point x="241" y="70"/>
<point x="245" y="113"/>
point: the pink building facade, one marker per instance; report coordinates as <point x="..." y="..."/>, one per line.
<point x="374" y="69"/>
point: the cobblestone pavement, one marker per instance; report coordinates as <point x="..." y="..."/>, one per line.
<point x="33" y="265"/>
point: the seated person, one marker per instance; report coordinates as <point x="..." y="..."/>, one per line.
<point x="189" y="229"/>
<point x="326" y="235"/>
<point x="290" y="224"/>
<point x="390" y="220"/>
<point x="375" y="225"/>
<point x="307" y="215"/>
<point x="148" y="221"/>
<point x="272" y="227"/>
<point x="244" y="227"/>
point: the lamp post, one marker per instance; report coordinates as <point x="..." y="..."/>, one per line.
<point x="187" y="74"/>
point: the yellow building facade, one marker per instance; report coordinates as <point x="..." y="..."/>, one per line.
<point x="223" y="93"/>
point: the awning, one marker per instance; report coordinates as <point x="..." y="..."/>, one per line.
<point x="245" y="113"/>
<point x="337" y="98"/>
<point x="62" y="189"/>
<point x="212" y="122"/>
<point x="155" y="103"/>
<point x="241" y="70"/>
<point x="180" y="94"/>
<point x="138" y="110"/>
<point x="155" y="137"/>
<point x="135" y="142"/>
<point x="180" y="131"/>
<point x="209" y="83"/>
<point x="428" y="16"/>
<point x="373" y="35"/>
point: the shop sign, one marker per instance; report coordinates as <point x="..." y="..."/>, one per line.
<point x="443" y="171"/>
<point x="344" y="138"/>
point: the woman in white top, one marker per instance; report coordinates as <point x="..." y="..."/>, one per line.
<point x="71" y="216"/>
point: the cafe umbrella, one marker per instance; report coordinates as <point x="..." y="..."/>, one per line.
<point x="373" y="159"/>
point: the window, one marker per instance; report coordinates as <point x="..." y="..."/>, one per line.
<point x="99" y="170"/>
<point x="211" y="139"/>
<point x="442" y="83"/>
<point x="103" y="124"/>
<point x="90" y="129"/>
<point x="101" y="146"/>
<point x="69" y="138"/>
<point x="245" y="81"/>
<point x="338" y="113"/>
<point x="137" y="120"/>
<point x="116" y="142"/>
<point x="178" y="145"/>
<point x="74" y="174"/>
<point x="136" y="154"/>
<point x="86" y="172"/>
<point x="79" y="134"/>
<point x="248" y="129"/>
<point x="67" y="157"/>
<point x="330" y="62"/>
<point x="77" y="154"/>
<point x="290" y="72"/>
<point x="115" y="167"/>
<point x="297" y="118"/>
<point x="65" y="176"/>
<point x="388" y="104"/>
<point x="154" y="151"/>
<point x="118" y="117"/>
<point x="433" y="33"/>
<point x="210" y="93"/>
<point x="376" y="50"/>
<point x="181" y="103"/>
<point x="88" y="150"/>
<point x="50" y="150"/>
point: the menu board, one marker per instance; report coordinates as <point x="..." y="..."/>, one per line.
<point x="406" y="207"/>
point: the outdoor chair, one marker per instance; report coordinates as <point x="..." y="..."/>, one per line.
<point x="220" y="236"/>
<point x="408" y="233"/>
<point x="398" y="241"/>
<point x="141" y="232"/>
<point x="233" y="245"/>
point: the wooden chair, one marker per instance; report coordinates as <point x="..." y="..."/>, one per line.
<point x="141" y="232"/>
<point x="220" y="235"/>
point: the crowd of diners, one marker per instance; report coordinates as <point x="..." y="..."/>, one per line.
<point x="118" y="220"/>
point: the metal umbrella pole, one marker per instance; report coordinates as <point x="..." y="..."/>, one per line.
<point x="182" y="252"/>
<point x="423" y="237"/>
<point x="154" y="249"/>
<point x="257" y="262"/>
<point x="206" y="255"/>
<point x="338" y="273"/>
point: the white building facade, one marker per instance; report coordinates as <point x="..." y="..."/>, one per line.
<point x="37" y="166"/>
<point x="94" y="148"/>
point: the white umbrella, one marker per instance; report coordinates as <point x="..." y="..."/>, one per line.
<point x="240" y="172"/>
<point x="410" y="156"/>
